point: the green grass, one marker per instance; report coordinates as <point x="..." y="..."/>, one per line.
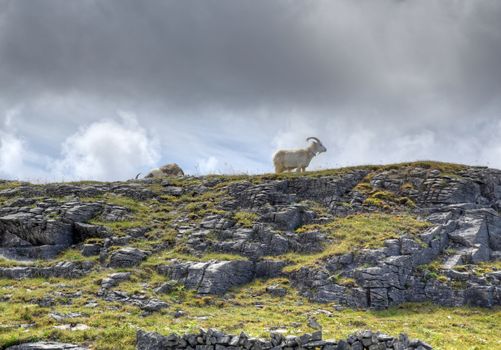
<point x="252" y="309"/>
<point x="113" y="325"/>
<point x="387" y="200"/>
<point x="4" y="262"/>
<point x="75" y="256"/>
<point x="355" y="232"/>
<point x="245" y="218"/>
<point x="4" y="185"/>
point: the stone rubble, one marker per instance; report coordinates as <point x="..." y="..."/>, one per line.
<point x="214" y="340"/>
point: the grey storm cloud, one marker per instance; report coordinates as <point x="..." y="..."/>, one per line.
<point x="388" y="54"/>
<point x="382" y="80"/>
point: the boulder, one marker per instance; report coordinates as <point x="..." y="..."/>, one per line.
<point x="166" y="287"/>
<point x="61" y="269"/>
<point x="153" y="305"/>
<point x="127" y="257"/>
<point x="213" y="277"/>
<point x="114" y="279"/>
<point x="90" y="249"/>
<point x="151" y="341"/>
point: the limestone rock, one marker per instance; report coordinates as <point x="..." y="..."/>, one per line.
<point x="215" y="340"/>
<point x="214" y="277"/>
<point x="127" y="257"/>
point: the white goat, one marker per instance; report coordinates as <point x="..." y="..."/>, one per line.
<point x="287" y="160"/>
<point x="166" y="170"/>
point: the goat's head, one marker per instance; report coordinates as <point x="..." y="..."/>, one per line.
<point x="318" y="147"/>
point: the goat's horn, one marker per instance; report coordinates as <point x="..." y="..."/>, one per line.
<point x="313" y="138"/>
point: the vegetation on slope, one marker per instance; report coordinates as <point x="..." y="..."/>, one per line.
<point x="252" y="308"/>
<point x="354" y="232"/>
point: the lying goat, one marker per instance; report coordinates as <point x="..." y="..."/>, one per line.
<point x="287" y="160"/>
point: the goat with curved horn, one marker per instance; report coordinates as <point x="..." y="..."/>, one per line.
<point x="287" y="160"/>
<point x="313" y="138"/>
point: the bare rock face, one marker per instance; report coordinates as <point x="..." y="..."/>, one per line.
<point x="213" y="277"/>
<point x="167" y="170"/>
<point x="41" y="230"/>
<point x="62" y="269"/>
<point x="127" y="257"/>
<point x="217" y="277"/>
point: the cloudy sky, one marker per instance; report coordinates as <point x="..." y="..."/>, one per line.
<point x="94" y="89"/>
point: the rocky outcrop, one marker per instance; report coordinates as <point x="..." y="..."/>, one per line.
<point x="62" y="269"/>
<point x="127" y="257"/>
<point x="134" y="190"/>
<point x="462" y="207"/>
<point x="215" y="340"/>
<point x="256" y="242"/>
<point x="114" y="279"/>
<point x="216" y="277"/>
<point x="394" y="274"/>
<point x="41" y="230"/>
<point x="148" y="305"/>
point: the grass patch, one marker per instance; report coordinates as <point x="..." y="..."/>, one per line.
<point x="245" y="218"/>
<point x="252" y="309"/>
<point x="75" y="256"/>
<point x="387" y="200"/>
<point x="355" y="232"/>
<point x="4" y="262"/>
<point x="4" y="185"/>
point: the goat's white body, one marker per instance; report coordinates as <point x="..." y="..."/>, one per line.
<point x="287" y="160"/>
<point x="156" y="173"/>
<point x="166" y="170"/>
<point x="299" y="159"/>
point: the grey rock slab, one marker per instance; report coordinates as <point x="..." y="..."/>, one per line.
<point x="276" y="291"/>
<point x="62" y="269"/>
<point x="114" y="279"/>
<point x="153" y="305"/>
<point x="90" y="249"/>
<point x="471" y="230"/>
<point x="46" y="346"/>
<point x="83" y="212"/>
<point x="166" y="287"/>
<point x="127" y="257"/>
<point x="213" y="277"/>
<point x="223" y="275"/>
<point x="150" y="341"/>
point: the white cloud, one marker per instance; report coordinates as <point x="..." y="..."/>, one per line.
<point x="208" y="165"/>
<point x="12" y="155"/>
<point x="15" y="158"/>
<point x="108" y="150"/>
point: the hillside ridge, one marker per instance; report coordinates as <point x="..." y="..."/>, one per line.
<point x="358" y="238"/>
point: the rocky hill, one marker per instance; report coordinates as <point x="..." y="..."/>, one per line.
<point x="412" y="248"/>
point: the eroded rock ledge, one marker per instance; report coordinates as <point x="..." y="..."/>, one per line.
<point x="215" y="340"/>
